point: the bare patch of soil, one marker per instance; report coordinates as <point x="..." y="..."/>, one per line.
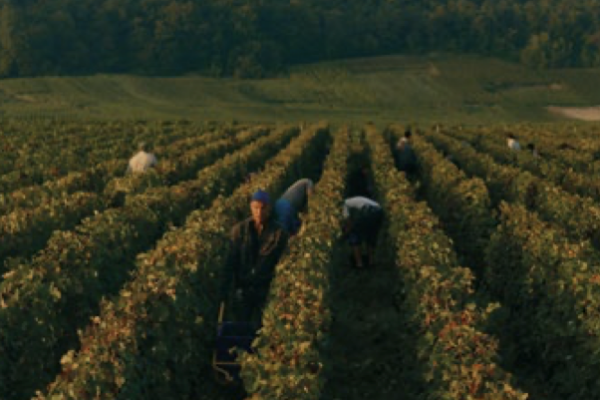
<point x="27" y="98"/>
<point x="580" y="113"/>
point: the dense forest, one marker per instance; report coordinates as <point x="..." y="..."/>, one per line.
<point x="255" y="38"/>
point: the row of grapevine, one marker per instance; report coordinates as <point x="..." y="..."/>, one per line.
<point x="461" y="202"/>
<point x="83" y="140"/>
<point x="504" y="182"/>
<point x="154" y="341"/>
<point x="569" y="150"/>
<point x="578" y="216"/>
<point x="96" y="177"/>
<point x="576" y="148"/>
<point x="25" y="231"/>
<point x="62" y="285"/>
<point x="552" y="288"/>
<point x="36" y="164"/>
<point x="185" y="165"/>
<point x="37" y="161"/>
<point x="453" y="357"/>
<point x="127" y="137"/>
<point x="91" y="179"/>
<point x="52" y="150"/>
<point x="288" y="359"/>
<point x="571" y="180"/>
<point x="548" y="286"/>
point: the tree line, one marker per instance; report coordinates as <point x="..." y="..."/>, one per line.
<point x="256" y="38"/>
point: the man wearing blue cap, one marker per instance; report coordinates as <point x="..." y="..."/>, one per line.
<point x="256" y="246"/>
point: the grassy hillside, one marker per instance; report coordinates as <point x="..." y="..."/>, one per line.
<point x="442" y="88"/>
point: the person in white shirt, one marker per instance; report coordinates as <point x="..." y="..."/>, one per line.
<point x="404" y="140"/>
<point x="362" y="220"/>
<point x="142" y="161"/>
<point x="512" y="142"/>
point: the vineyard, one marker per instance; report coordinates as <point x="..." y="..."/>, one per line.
<point x="486" y="282"/>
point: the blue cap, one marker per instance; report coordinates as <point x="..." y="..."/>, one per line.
<point x="262" y="196"/>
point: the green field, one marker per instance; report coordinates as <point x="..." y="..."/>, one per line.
<point x="435" y="88"/>
<point x="485" y="281"/>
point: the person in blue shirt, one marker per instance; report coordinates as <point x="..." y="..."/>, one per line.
<point x="291" y="203"/>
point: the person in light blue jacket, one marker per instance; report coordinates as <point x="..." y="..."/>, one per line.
<point x="291" y="203"/>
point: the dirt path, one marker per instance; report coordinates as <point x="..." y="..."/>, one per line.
<point x="364" y="344"/>
<point x="580" y="113"/>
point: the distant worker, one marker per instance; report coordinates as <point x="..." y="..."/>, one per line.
<point x="512" y="142"/>
<point x="292" y="202"/>
<point x="476" y="142"/>
<point x="406" y="160"/>
<point x="450" y="157"/>
<point x="404" y="139"/>
<point x="256" y="245"/>
<point x="566" y="146"/>
<point x="362" y="220"/>
<point x="533" y="150"/>
<point x="142" y="161"/>
<point x="360" y="182"/>
<point x="250" y="176"/>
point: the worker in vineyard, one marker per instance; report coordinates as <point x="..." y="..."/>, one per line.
<point x="512" y="142"/>
<point x="533" y="150"/>
<point x="250" y="176"/>
<point x="256" y="245"/>
<point x="361" y="183"/>
<point x="451" y="158"/>
<point x="362" y="219"/>
<point x="291" y="203"/>
<point x="406" y="159"/>
<point x="405" y="139"/>
<point x="142" y="161"/>
<point x="566" y="146"/>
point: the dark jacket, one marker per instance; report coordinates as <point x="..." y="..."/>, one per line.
<point x="406" y="160"/>
<point x="252" y="258"/>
